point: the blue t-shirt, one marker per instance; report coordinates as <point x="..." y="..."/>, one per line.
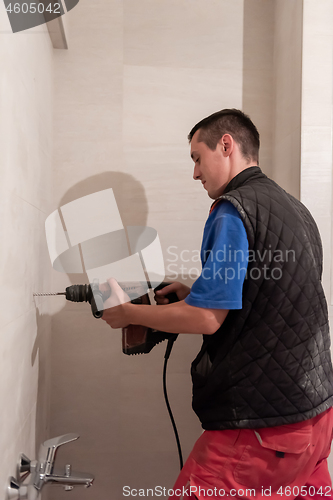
<point x="224" y="258"/>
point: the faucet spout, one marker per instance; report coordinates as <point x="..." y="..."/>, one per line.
<point x="42" y="471"/>
<point x="75" y="479"/>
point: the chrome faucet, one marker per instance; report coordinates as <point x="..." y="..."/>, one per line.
<point x="42" y="472"/>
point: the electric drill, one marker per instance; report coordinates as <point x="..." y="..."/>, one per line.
<point x="136" y="339"/>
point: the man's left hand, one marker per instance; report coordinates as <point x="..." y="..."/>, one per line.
<point x="116" y="307"/>
<point x="117" y="316"/>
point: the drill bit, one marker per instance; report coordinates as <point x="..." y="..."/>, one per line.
<point x="52" y="293"/>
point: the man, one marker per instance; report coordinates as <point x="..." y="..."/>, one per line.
<point x="263" y="380"/>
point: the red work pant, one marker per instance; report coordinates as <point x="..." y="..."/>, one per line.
<point x="271" y="463"/>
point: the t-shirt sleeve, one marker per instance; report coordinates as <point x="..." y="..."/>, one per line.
<point x="220" y="284"/>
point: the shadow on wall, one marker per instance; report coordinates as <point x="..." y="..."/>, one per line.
<point x="129" y="193"/>
<point x="88" y="392"/>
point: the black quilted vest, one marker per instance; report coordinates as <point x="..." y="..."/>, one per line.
<point x="269" y="364"/>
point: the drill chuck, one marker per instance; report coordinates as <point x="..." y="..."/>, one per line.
<point x="87" y="293"/>
<point x="79" y="293"/>
<point x="84" y="293"/>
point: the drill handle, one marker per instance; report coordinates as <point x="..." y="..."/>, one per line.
<point x="97" y="300"/>
<point x="97" y="305"/>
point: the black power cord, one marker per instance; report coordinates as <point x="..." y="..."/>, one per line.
<point x="166" y="357"/>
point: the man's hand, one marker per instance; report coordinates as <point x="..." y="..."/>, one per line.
<point x="116" y="307"/>
<point x="173" y="318"/>
<point x="117" y="316"/>
<point x="180" y="289"/>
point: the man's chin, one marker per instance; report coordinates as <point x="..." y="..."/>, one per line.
<point x="215" y="195"/>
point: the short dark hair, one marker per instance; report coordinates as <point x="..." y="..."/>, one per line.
<point x="233" y="122"/>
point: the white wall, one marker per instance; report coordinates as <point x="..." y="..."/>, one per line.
<point x="26" y="78"/>
<point x="272" y="83"/>
<point x="287" y="84"/>
<point x="136" y="78"/>
<point x="316" y="178"/>
<point x="258" y="74"/>
<point x="317" y="107"/>
<point x="125" y="101"/>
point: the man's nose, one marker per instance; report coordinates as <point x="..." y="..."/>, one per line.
<point x="196" y="173"/>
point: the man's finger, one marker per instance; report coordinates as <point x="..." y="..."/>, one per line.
<point x="161" y="300"/>
<point x="167" y="289"/>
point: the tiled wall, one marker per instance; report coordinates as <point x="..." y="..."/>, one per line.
<point x="258" y="83"/>
<point x="126" y="98"/>
<point x="26" y="77"/>
<point x="272" y="82"/>
<point x="287" y="84"/>
<point x="316" y="178"/>
<point x="136" y="78"/>
<point x="316" y="151"/>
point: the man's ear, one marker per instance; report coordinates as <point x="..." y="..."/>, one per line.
<point x="227" y="144"/>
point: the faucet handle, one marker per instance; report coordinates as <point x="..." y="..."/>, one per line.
<point x="47" y="450"/>
<point x="60" y="440"/>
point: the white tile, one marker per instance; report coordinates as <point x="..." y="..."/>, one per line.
<point x="21" y="262"/>
<point x="183" y="34"/>
<point x="22" y="440"/>
<point x="88" y="26"/>
<point x="317" y="80"/>
<point x="25" y="158"/>
<point x="166" y="176"/>
<point x="316" y="182"/>
<point x="315" y="195"/>
<point x="18" y="385"/>
<point x="317" y="151"/>
<point x="318" y="17"/>
<point x="287" y="81"/>
<point x="26" y="145"/>
<point x="258" y="35"/>
<point x="288" y="23"/>
<point x="162" y="104"/>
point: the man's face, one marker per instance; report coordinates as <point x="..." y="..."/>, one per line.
<point x="210" y="167"/>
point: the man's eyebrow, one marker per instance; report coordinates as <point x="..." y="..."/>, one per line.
<point x="193" y="154"/>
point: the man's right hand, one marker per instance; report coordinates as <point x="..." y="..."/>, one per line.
<point x="178" y="288"/>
